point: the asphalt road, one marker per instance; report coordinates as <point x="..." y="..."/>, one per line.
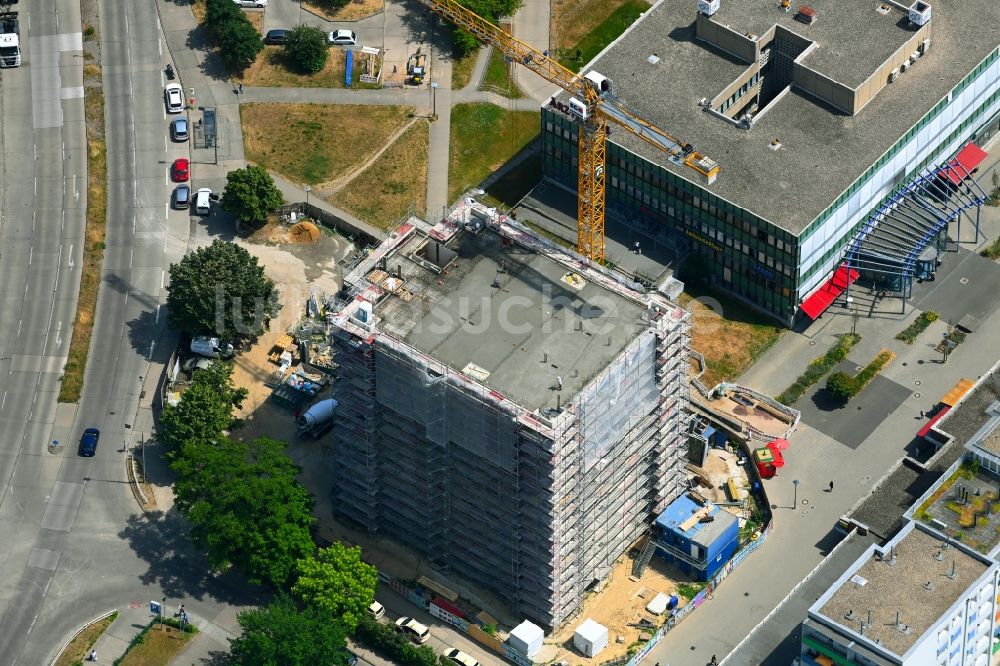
<point x="73" y="546"/>
<point x="43" y="192"/>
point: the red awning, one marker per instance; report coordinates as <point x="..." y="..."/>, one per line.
<point x="967" y="159"/>
<point x="934" y="419"/>
<point x="821" y="299"/>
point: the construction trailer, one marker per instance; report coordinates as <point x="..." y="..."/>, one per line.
<point x="510" y="412"/>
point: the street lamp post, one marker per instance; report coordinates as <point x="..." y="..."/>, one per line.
<point x="308" y="190"/>
<point x="434" y="99"/>
<point x="795" y="496"/>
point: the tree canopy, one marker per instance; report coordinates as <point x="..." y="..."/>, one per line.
<point x="238" y="41"/>
<point x="245" y="505"/>
<point x="205" y="409"/>
<point x="492" y="11"/>
<point x="306" y="46"/>
<point x="280" y="634"/>
<point x="250" y="193"/>
<point x="337" y="581"/>
<point x="221" y="289"/>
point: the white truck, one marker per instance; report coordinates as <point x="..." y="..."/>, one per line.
<point x="10" y="42"/>
<point x="318" y="419"/>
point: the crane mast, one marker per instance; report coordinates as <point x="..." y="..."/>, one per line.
<point x="593" y="104"/>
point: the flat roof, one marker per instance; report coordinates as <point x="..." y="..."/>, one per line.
<point x="520" y="337"/>
<point x="885" y="586"/>
<point x="852" y="38"/>
<point x="683" y="508"/>
<point x="823" y="150"/>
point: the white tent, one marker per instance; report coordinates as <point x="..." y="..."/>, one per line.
<point x="590" y="638"/>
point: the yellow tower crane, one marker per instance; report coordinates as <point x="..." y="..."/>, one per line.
<point x="593" y="105"/>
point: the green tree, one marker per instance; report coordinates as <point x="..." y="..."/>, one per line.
<point x="841" y="386"/>
<point x="280" y="634"/>
<point x="239" y="42"/>
<point x="220" y="12"/>
<point x="491" y="10"/>
<point x="250" y="194"/>
<point x="336" y="580"/>
<point x="383" y="638"/>
<point x="245" y="506"/>
<point x="205" y="409"/>
<point x="221" y="289"/>
<point x="306" y="46"/>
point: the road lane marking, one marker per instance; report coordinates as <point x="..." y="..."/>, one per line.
<point x="4" y="401"/>
<point x="70" y="262"/>
<point x="31" y="252"/>
<point x="59" y="339"/>
<point x="163" y="275"/>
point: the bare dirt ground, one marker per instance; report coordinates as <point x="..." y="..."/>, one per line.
<point x="297" y="269"/>
<point x="352" y="11"/>
<point x="620" y="602"/>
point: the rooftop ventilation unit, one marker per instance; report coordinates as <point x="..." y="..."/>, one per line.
<point x="601" y="83"/>
<point x="708" y="7"/>
<point x="806" y="15"/>
<point x="920" y="13"/>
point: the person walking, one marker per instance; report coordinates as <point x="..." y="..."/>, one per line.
<point x="92" y="656"/>
<point x="831" y="487"/>
<point x="241" y="89"/>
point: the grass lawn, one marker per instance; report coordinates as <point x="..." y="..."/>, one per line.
<point x="461" y="70"/>
<point x="80" y="646"/>
<point x="483" y="137"/>
<point x="159" y="647"/>
<point x="497" y="76"/>
<point x="93" y="247"/>
<point x="312" y="144"/>
<point x="730" y="341"/>
<point x="509" y="189"/>
<point x="273" y="69"/>
<point x="590" y="25"/>
<point x="396" y="180"/>
<point x="352" y="11"/>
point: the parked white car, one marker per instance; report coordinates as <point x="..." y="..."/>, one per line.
<point x="173" y="95"/>
<point x="259" y="4"/>
<point x="415" y="631"/>
<point x="376" y="610"/>
<point x="342" y="38"/>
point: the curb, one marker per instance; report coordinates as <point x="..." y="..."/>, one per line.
<point x="133" y="481"/>
<point x="77" y="633"/>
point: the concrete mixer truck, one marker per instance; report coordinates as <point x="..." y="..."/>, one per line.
<point x="318" y="419"/>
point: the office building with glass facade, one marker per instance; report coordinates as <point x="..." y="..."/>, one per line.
<point x="816" y="119"/>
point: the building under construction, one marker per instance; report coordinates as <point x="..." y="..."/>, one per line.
<point x="505" y="410"/>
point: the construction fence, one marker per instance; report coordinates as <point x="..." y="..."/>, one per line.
<point x="447" y="612"/>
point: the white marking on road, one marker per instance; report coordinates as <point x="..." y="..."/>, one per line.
<point x="152" y="346"/>
<point x="158" y="305"/>
<point x="133" y="225"/>
<point x="20" y="321"/>
<point x="163" y="275"/>
<point x="131" y="255"/>
<point x="70" y="262"/>
<point x="31" y="252"/>
<point x="4" y="401"/>
<point x="76" y="191"/>
<point x="164" y="144"/>
<point x="58" y="268"/>
<point x="59" y="340"/>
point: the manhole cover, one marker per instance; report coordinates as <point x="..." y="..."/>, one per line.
<point x="857" y="368"/>
<point x="812" y="343"/>
<point x="917" y="383"/>
<point x="805" y="502"/>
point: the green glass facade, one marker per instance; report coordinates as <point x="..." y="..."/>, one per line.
<point x="742" y="253"/>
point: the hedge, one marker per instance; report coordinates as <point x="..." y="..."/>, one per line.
<point x="845" y="387"/>
<point x="383" y="639"/>
<point x="819" y="367"/>
<point x="919" y="325"/>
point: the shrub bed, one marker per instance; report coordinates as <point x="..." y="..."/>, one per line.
<point x="819" y="367"/>
<point x="845" y="387"/>
<point x="919" y="325"/>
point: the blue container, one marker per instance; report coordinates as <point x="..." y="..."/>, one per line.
<point x="348" y="68"/>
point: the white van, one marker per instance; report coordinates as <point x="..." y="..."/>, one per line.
<point x="376" y="610"/>
<point x="203" y="201"/>
<point x="417" y="632"/>
<point x="210" y="347"/>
